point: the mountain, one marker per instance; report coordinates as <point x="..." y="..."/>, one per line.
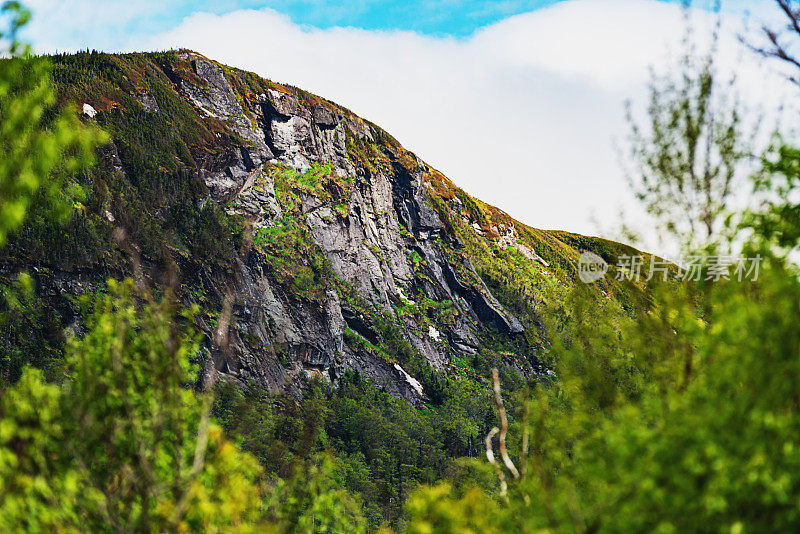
<point x="336" y="249"/>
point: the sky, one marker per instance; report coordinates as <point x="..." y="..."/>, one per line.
<point x="520" y="102"/>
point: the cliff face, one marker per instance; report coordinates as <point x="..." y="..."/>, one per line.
<point x="338" y="249"/>
<point x="363" y="242"/>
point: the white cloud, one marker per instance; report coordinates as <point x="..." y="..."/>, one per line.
<point x="70" y="25"/>
<point x="521" y="114"/>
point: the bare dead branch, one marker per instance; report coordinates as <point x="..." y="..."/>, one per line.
<point x="776" y="49"/>
<point x="219" y="345"/>
<point x="792" y="15"/>
<point x="525" y="440"/>
<point x="493" y="461"/>
<point x="501" y="411"/>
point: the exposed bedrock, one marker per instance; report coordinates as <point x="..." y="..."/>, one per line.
<point x="374" y="224"/>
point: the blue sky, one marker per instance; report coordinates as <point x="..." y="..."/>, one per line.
<point x="458" y="18"/>
<point x="139" y="18"/>
<point x="431" y="17"/>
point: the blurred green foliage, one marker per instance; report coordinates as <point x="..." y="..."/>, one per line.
<point x="40" y="145"/>
<point x="692" y="154"/>
<point x="122" y="445"/>
<point x="684" y="420"/>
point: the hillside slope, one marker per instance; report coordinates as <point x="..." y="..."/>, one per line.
<point x="338" y="249"/>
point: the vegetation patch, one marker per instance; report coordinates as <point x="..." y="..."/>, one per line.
<point x="295" y="260"/>
<point x="320" y="181"/>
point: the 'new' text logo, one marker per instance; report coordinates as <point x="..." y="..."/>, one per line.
<point x="591" y="267"/>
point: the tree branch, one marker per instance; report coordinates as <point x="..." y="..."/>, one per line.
<point x="498" y="400"/>
<point x="490" y="457"/>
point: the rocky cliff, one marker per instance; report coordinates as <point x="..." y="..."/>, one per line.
<point x="337" y="249"/>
